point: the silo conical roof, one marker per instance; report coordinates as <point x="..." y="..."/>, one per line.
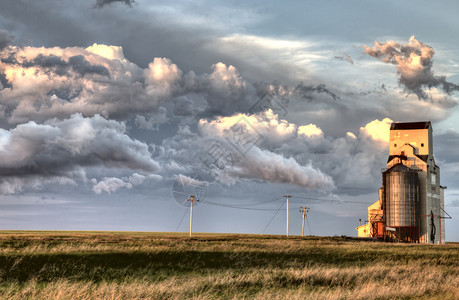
<point x="398" y="168"/>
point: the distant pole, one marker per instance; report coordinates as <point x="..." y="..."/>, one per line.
<point x="304" y="210"/>
<point x="191" y="212"/>
<point x="302" y="229"/>
<point x="191" y="216"/>
<point x="287" y="196"/>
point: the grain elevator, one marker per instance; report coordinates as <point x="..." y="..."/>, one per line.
<point x="410" y="207"/>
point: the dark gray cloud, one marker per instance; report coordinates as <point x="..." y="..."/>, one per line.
<point x="63" y="151"/>
<point x="345" y="57"/>
<point x="307" y="91"/>
<point x="82" y="66"/>
<point x="183" y="106"/>
<point x="152" y="121"/>
<point x="102" y="3"/>
<point x="226" y="92"/>
<point x="77" y="63"/>
<point x="5" y="39"/>
<point x="414" y="65"/>
<point x="4" y="82"/>
<point x="48" y="62"/>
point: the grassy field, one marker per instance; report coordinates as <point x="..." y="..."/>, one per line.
<point x="124" y="265"/>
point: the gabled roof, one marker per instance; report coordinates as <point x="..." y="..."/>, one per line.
<point x="411" y="125"/>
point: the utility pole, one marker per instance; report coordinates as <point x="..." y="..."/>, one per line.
<point x="191" y="211"/>
<point x="304" y="210"/>
<point x="287" y="196"/>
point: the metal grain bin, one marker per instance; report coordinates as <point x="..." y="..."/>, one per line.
<point x="401" y="195"/>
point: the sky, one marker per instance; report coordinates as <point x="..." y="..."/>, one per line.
<point x="114" y="112"/>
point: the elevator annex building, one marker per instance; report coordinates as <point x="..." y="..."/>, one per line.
<point x="411" y="200"/>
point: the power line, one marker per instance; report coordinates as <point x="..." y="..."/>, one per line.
<point x="331" y="200"/>
<point x="259" y="202"/>
<point x="243" y="206"/>
<point x="273" y="216"/>
<point x="183" y="217"/>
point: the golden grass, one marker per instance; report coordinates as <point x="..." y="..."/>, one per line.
<point x="103" y="265"/>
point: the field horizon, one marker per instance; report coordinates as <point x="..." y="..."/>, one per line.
<point x="162" y="265"/>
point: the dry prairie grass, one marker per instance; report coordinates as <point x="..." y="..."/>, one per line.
<point x="60" y="265"/>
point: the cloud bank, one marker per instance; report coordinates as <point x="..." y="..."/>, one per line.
<point x="282" y="152"/>
<point x="69" y="114"/>
<point x="64" y="150"/>
<point x="43" y="83"/>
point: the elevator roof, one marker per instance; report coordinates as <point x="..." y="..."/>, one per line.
<point x="410" y="126"/>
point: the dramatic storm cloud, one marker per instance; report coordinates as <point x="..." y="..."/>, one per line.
<point x="272" y="167"/>
<point x="63" y="151"/>
<point x="264" y="147"/>
<point x="414" y="65"/>
<point x="50" y="85"/>
<point x="43" y="83"/>
<point x="99" y="83"/>
<point x="217" y="152"/>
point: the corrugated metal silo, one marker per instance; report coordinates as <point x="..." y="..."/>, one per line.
<point x="401" y="201"/>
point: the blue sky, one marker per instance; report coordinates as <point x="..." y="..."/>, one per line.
<point x="107" y="108"/>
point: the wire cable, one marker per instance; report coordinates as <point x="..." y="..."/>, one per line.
<point x="182" y="219"/>
<point x="259" y="203"/>
<point x="238" y="207"/>
<point x="307" y="220"/>
<point x="244" y="207"/>
<point x="273" y="216"/>
<point x="332" y="200"/>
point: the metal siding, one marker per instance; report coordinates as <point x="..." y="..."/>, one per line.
<point x="401" y="197"/>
